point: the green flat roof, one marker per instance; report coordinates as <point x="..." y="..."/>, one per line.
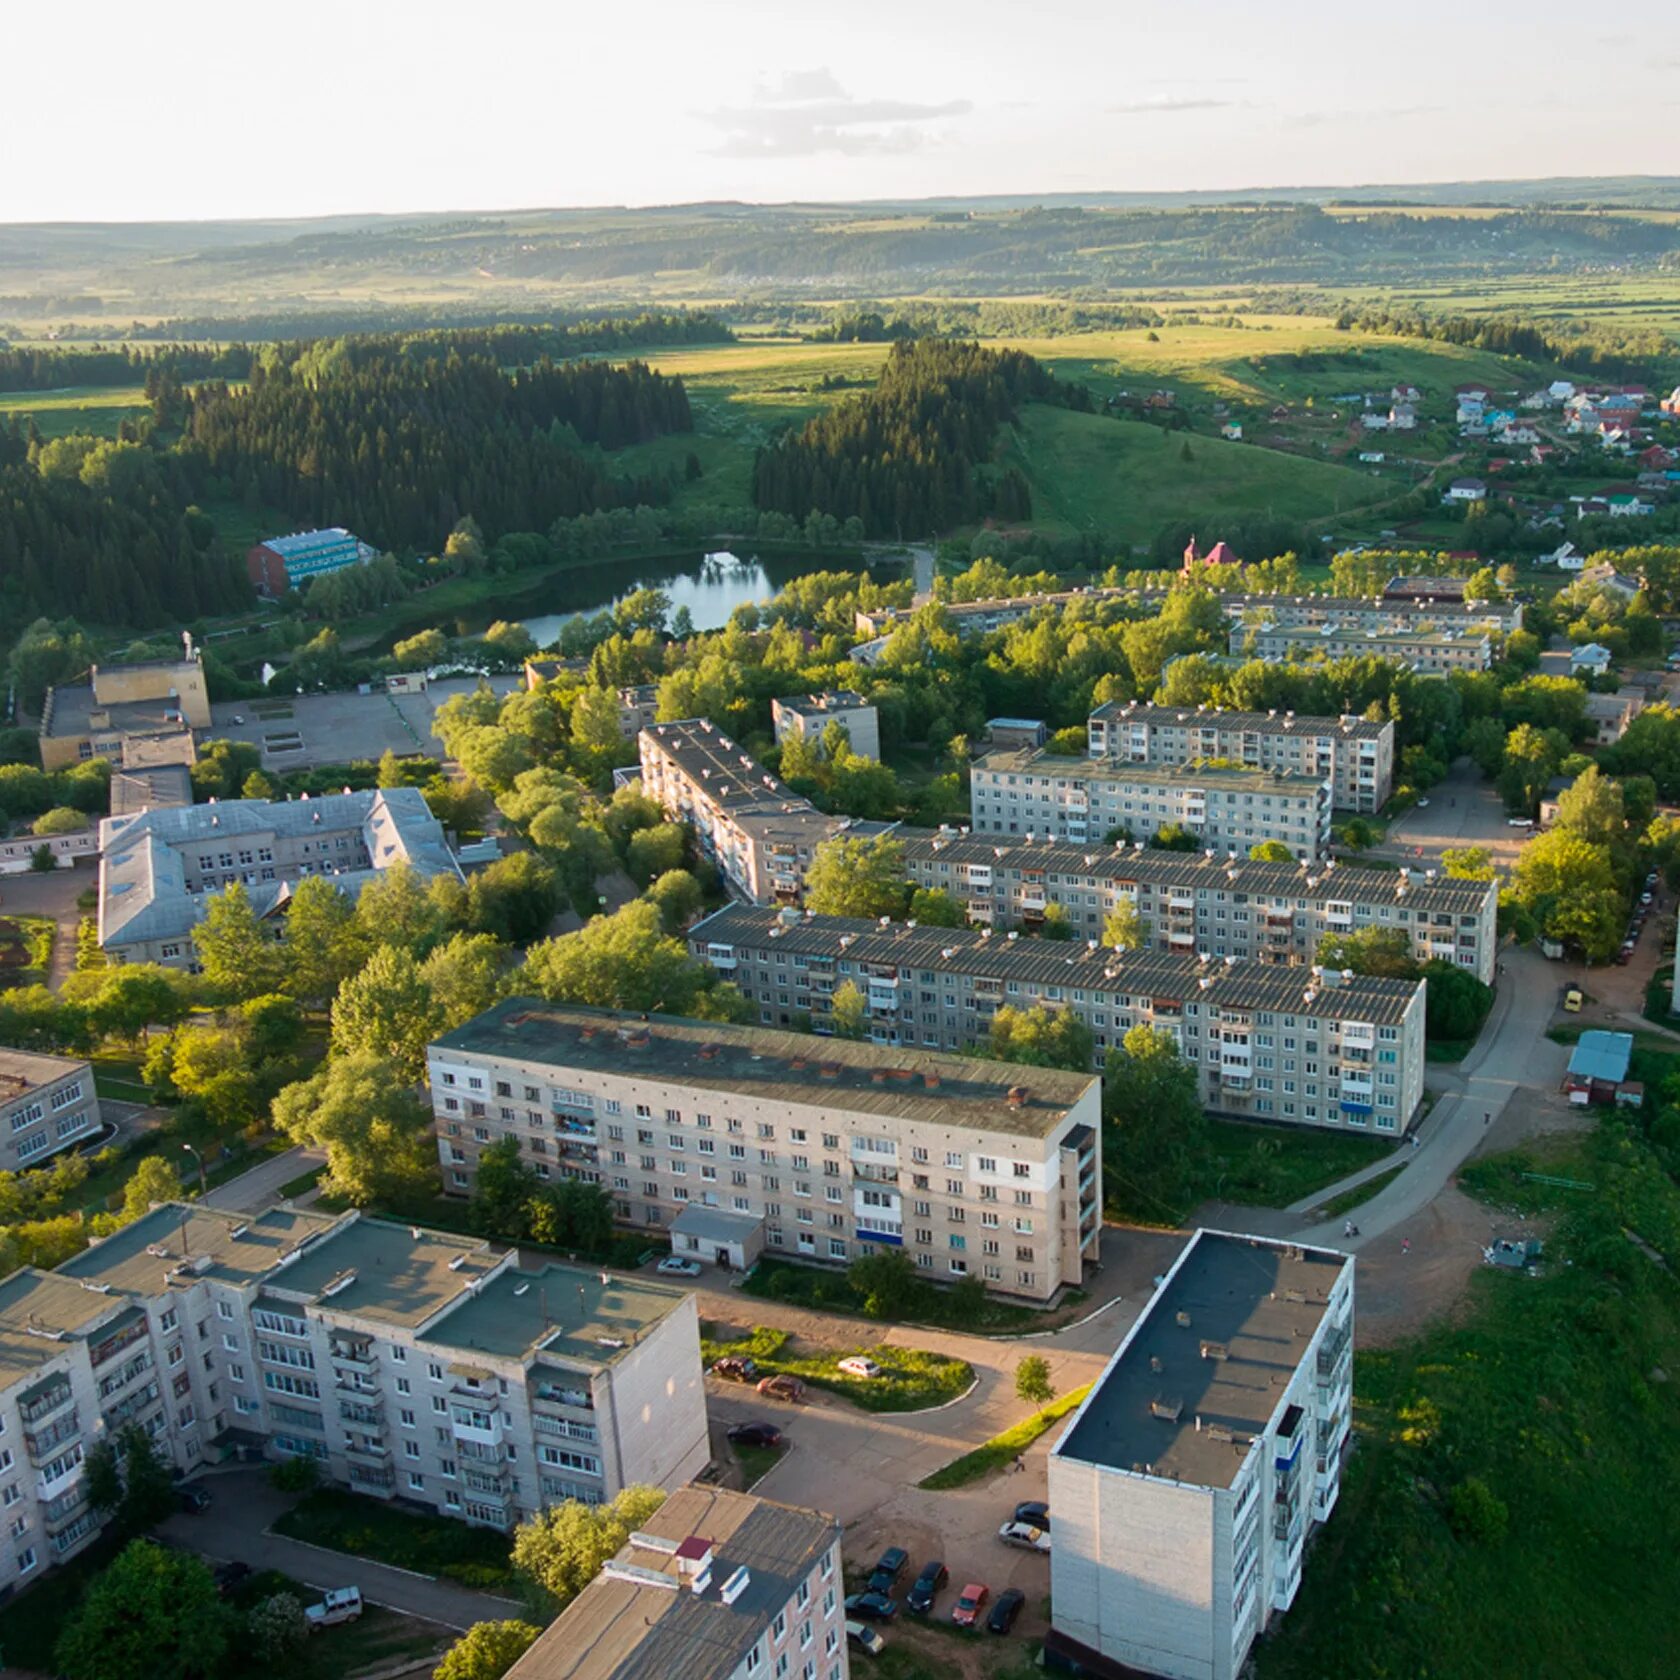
<point x="235" y="1247"/>
<point x="40" y="1313"/>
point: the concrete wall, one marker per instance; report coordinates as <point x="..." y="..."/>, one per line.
<point x="654" y="1429"/>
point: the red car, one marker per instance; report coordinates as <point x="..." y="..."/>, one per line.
<point x="966" y="1611"/>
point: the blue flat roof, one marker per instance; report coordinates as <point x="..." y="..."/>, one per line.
<point x="1602" y="1056"/>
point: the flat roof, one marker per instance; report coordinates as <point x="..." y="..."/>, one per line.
<point x="234" y="1247"/>
<point x="570" y="1312"/>
<point x="39" y="1312"/>
<point x="1181" y="1400"/>
<point x="1250" y="723"/>
<point x="22" y="1071"/>
<point x="830" y="700"/>
<point x="1304" y="635"/>
<point x="72" y="708"/>
<point x="1160" y="976"/>
<point x="855" y="1076"/>
<point x="640" y="1618"/>
<point x="1197" y="771"/>
<point x="1601" y="1055"/>
<point x="376" y="1269"/>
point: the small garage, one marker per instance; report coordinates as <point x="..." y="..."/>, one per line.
<point x="732" y="1240"/>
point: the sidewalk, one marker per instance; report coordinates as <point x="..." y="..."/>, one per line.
<point x="260" y="1186"/>
<point x="244" y="1506"/>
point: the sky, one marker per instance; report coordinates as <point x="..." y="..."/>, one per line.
<point x="195" y="109"/>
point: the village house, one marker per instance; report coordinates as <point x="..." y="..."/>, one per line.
<point x="1466" y="490"/>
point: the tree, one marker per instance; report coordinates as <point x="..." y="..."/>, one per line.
<point x="561" y="1550"/>
<point x="1174" y="837"/>
<point x="1457" y="1002"/>
<point x="1032" y="1381"/>
<point x="502" y="1190"/>
<point x="154" y="1180"/>
<point x="124" y="1001"/>
<point x="1468" y="863"/>
<point x="653" y="851"/>
<point x="464" y="977"/>
<point x="935" y="907"/>
<point x="152" y="1615"/>
<point x="1040" y="1037"/>
<point x="277" y="1629"/>
<point x="1591" y="807"/>
<point x="887" y="1283"/>
<point x="361" y="1110"/>
<point x="1384" y="951"/>
<point x="1123" y="928"/>
<point x="324" y="941"/>
<point x="394" y="908"/>
<point x="238" y="958"/>
<point x="851" y="877"/>
<point x="1569" y="886"/>
<point x="1529" y="764"/>
<point x="417" y="652"/>
<point x="622" y="961"/>
<point x="388" y="1011"/>
<point x="486" y="1651"/>
<point x="848" y="1012"/>
<point x="1157" y="1132"/>
<point x="128" y="1479"/>
<point x="678" y="897"/>
<point x="61" y="819"/>
<point x="1271" y="851"/>
<point x="1058" y="925"/>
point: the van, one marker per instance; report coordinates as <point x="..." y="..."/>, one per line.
<point x="342" y="1604"/>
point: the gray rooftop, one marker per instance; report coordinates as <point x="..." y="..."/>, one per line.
<point x="1252" y="723"/>
<point x="1255" y="1305"/>
<point x="640" y="1620"/>
<point x="786" y="1067"/>
<point x="308" y="542"/>
<point x="817" y="705"/>
<point x="1158" y="975"/>
<point x="22" y="1071"/>
<point x="39" y="1312"/>
<point x="1040" y="761"/>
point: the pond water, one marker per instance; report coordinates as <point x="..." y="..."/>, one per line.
<point x="711" y="586"/>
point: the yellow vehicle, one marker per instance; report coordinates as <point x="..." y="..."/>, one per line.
<point x="1572" y="1000"/>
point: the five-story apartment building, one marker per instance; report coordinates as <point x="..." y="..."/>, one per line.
<point x="47" y="1103"/>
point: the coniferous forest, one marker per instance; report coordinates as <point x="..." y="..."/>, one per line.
<point x="907" y="457"/>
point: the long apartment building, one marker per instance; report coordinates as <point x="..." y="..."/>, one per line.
<point x="1229" y="809"/>
<point x="1193" y="902"/>
<point x="759" y="832"/>
<point x="1429" y="652"/>
<point x="47" y="1103"/>
<point x="744" y="1139"/>
<point x="408" y="1364"/>
<point x="1307" y="1046"/>
<point x="1205" y="1455"/>
<point x="716" y="1585"/>
<point x="1354" y="754"/>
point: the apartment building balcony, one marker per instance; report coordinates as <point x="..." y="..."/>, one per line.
<point x="355" y="1382"/>
<point x="864" y="1172"/>
<point x="120" y="1379"/>
<point x="560" y="1395"/>
<point x="375" y="1477"/>
<point x="722" y="958"/>
<point x="494" y="1484"/>
<point x="125" y="1411"/>
<point x="570" y="1127"/>
<point x="370" y="1411"/>
<point x="545" y="1423"/>
<point x="368" y="1451"/>
<point x="355" y="1353"/>
<point x="1330" y="1352"/>
<point x="40" y="1403"/>
<point x="43" y="1442"/>
<point x="481" y="1429"/>
<point x="51" y="1487"/>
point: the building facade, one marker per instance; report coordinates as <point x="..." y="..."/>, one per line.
<point x="281" y="563"/>
<point x="1211" y="1447"/>
<point x="822" y="1150"/>
<point x="759" y="832"/>
<point x="47" y="1103"/>
<point x="1357" y="756"/>
<point x="1428" y="652"/>
<point x="1043" y="793"/>
<point x="149" y="700"/>
<point x="716" y="1586"/>
<point x="1222" y="907"/>
<point x="809" y="715"/>
<point x="158" y="868"/>
<point x="1308" y="1046"/>
<point x="405" y="1363"/>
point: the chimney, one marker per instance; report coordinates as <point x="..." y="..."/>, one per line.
<point x="1017" y="1096"/>
<point x="930" y="1081"/>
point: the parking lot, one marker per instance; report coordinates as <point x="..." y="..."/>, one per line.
<point x="300" y="731"/>
<point x="1461" y="811"/>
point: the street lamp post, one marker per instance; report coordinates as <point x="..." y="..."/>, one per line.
<point x="203" y="1182"/>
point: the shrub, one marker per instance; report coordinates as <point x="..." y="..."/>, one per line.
<point x="295" y="1475"/>
<point x="1477" y="1513"/>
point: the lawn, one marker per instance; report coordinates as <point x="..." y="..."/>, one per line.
<point x="1272" y="1166"/>
<point x="1002" y="1449"/>
<point x="1360" y="1194"/>
<point x="755" y="1462"/>
<point x="96" y="409"/>
<point x="1126" y="479"/>
<point x="910" y="1380"/>
<point x="428" y="1545"/>
<point x="378" y="1639"/>
<point x="830" y="1291"/>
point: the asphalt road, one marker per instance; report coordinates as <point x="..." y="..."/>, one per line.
<point x="1462" y="811"/>
<point x="260" y="1187"/>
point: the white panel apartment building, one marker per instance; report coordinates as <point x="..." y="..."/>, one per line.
<point x="47" y="1103"/>
<point x="718" y="1586"/>
<point x="821" y="1149"/>
<point x="759" y="832"/>
<point x="1300" y="1045"/>
<point x="809" y="715"/>
<point x="406" y="1363"/>
<point x="1190" y="902"/>
<point x="1356" y="756"/>
<point x="1209" y="1449"/>
<point x="1042" y="793"/>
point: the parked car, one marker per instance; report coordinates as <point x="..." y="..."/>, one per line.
<point x="193" y="1499"/>
<point x="858" y="1365"/>
<point x="1024" y="1535"/>
<point x="871" y="1607"/>
<point x="865" y="1638"/>
<point x="888" y="1567"/>
<point x="1572" y="1000"/>
<point x="783" y="1386"/>
<point x="1644" y="899"/>
<point x="1519" y="822"/>
<point x="231" y="1576"/>
<point x="342" y="1604"/>
<point x="736" y="1367"/>
<point x="1034" y="1511"/>
<point x="925" y="1588"/>
<point x="1624" y="956"/>
<point x="1423" y="804"/>
<point x="674" y="1265"/>
<point x="754" y="1434"/>
<point x="1004" y="1612"/>
<point x="966" y="1611"/>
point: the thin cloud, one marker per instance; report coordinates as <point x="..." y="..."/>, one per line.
<point x="806" y="112"/>
<point x="1391" y="113"/>
<point x="1149" y="107"/>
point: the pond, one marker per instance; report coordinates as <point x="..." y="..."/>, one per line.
<point x="710" y="585"/>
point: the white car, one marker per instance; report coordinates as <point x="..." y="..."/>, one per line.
<point x="1423" y="804"/>
<point x="858" y="1366"/>
<point x="1024" y="1535"/>
<point x="673" y="1265"/>
<point x="865" y="1638"/>
<point x="342" y="1604"/>
<point x="1519" y="822"/>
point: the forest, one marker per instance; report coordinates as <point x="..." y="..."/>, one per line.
<point x="906" y="457"/>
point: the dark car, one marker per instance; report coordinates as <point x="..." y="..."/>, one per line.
<point x="926" y="1587"/>
<point x="193" y="1499"/>
<point x="1033" y="1511"/>
<point x="871" y="1607"/>
<point x="736" y="1367"/>
<point x="1007" y="1608"/>
<point x="888" y="1567"/>
<point x="755" y="1434"/>
<point x="231" y="1576"/>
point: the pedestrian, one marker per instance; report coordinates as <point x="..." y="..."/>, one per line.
<point x="1487" y="1118"/>
<point x="1405" y="1245"/>
<point x="1020" y="1463"/>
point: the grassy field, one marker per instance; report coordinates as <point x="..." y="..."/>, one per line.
<point x="98" y="409"/>
<point x="1002" y="1449"/>
<point x="1127" y="479"/>
<point x="371" y="1528"/>
<point x="830" y="1291"/>
<point x="1270" y="1166"/>
<point x="910" y="1381"/>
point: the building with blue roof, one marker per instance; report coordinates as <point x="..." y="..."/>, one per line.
<point x="281" y="563"/>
